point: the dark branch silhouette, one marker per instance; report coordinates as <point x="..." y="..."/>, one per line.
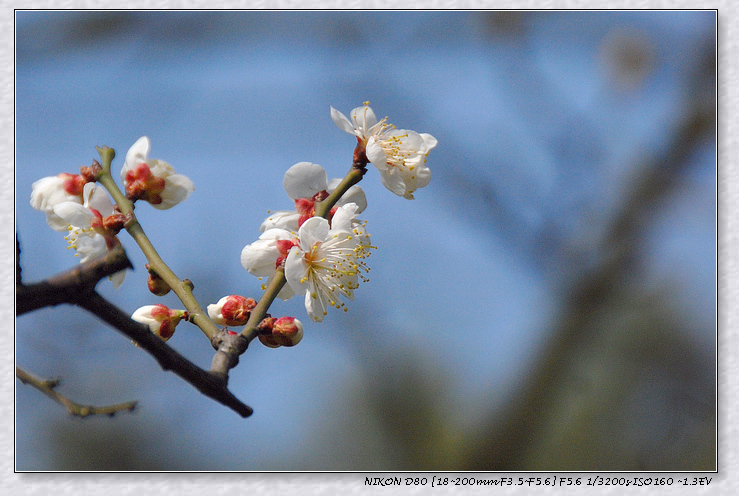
<point x="77" y="287"/>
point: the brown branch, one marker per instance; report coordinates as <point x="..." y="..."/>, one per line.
<point x="207" y="383"/>
<point x="77" y="409"/>
<point x="77" y="287"/>
<point x="69" y="286"/>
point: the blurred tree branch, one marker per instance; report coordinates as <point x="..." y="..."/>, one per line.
<point x="508" y="438"/>
<point x="47" y="386"/>
<point x="77" y="287"/>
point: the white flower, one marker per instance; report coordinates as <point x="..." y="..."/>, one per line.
<point x="153" y="180"/>
<point x="326" y="263"/>
<point x="262" y="257"/>
<point x="306" y="184"/>
<point x="363" y="123"/>
<point x="87" y="232"/>
<point x="53" y="190"/>
<point x="399" y="154"/>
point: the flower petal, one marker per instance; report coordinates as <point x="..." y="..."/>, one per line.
<point x="259" y="257"/>
<point x="117" y="278"/>
<point x="139" y="152"/>
<point x="341" y="121"/>
<point x="364" y="119"/>
<point x="177" y="188"/>
<point x="314" y="230"/>
<point x="375" y="154"/>
<point x="283" y="219"/>
<point x="355" y="195"/>
<point x="74" y="214"/>
<point x="91" y="247"/>
<point x="296" y="271"/>
<point x="342" y="219"/>
<point x="304" y="179"/>
<point x="393" y="181"/>
<point x="98" y="199"/>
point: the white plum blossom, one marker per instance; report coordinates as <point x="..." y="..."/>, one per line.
<point x="153" y="180"/>
<point x="399" y="154"/>
<point x="88" y="233"/>
<point x="327" y="263"/>
<point x="362" y="123"/>
<point x="53" y="190"/>
<point x="262" y="257"/>
<point x="306" y="184"/>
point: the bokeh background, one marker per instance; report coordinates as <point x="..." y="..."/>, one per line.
<point x="548" y="302"/>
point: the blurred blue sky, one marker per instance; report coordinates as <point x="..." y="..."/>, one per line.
<point x="531" y="109"/>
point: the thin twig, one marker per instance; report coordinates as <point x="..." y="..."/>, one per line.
<point x="207" y="383"/>
<point x="47" y="387"/>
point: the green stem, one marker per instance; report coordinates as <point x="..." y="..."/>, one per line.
<point x="260" y="311"/>
<point x="182" y="288"/>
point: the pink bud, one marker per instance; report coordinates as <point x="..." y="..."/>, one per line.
<point x="233" y="310"/>
<point x="286" y="331"/>
<point x="160" y="319"/>
<point x="157" y="285"/>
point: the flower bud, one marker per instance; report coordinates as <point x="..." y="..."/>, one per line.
<point x="286" y="331"/>
<point x="157" y="285"/>
<point x="233" y="310"/>
<point x="160" y="319"/>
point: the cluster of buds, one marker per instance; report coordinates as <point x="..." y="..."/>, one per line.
<point x="235" y="310"/>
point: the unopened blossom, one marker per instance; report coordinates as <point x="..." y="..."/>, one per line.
<point x="53" y="190"/>
<point x="160" y="319"/>
<point x="232" y="310"/>
<point x="399" y="154"/>
<point x="286" y="331"/>
<point x="153" y="180"/>
<point x="306" y="184"/>
<point x="92" y="226"/>
<point x="326" y="264"/>
<point x="156" y="284"/>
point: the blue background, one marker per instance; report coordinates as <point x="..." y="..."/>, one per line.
<point x="545" y="122"/>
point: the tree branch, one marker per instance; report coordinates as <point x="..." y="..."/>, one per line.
<point x="78" y="410"/>
<point x="77" y="287"/>
<point x="69" y="286"/>
<point x="209" y="384"/>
